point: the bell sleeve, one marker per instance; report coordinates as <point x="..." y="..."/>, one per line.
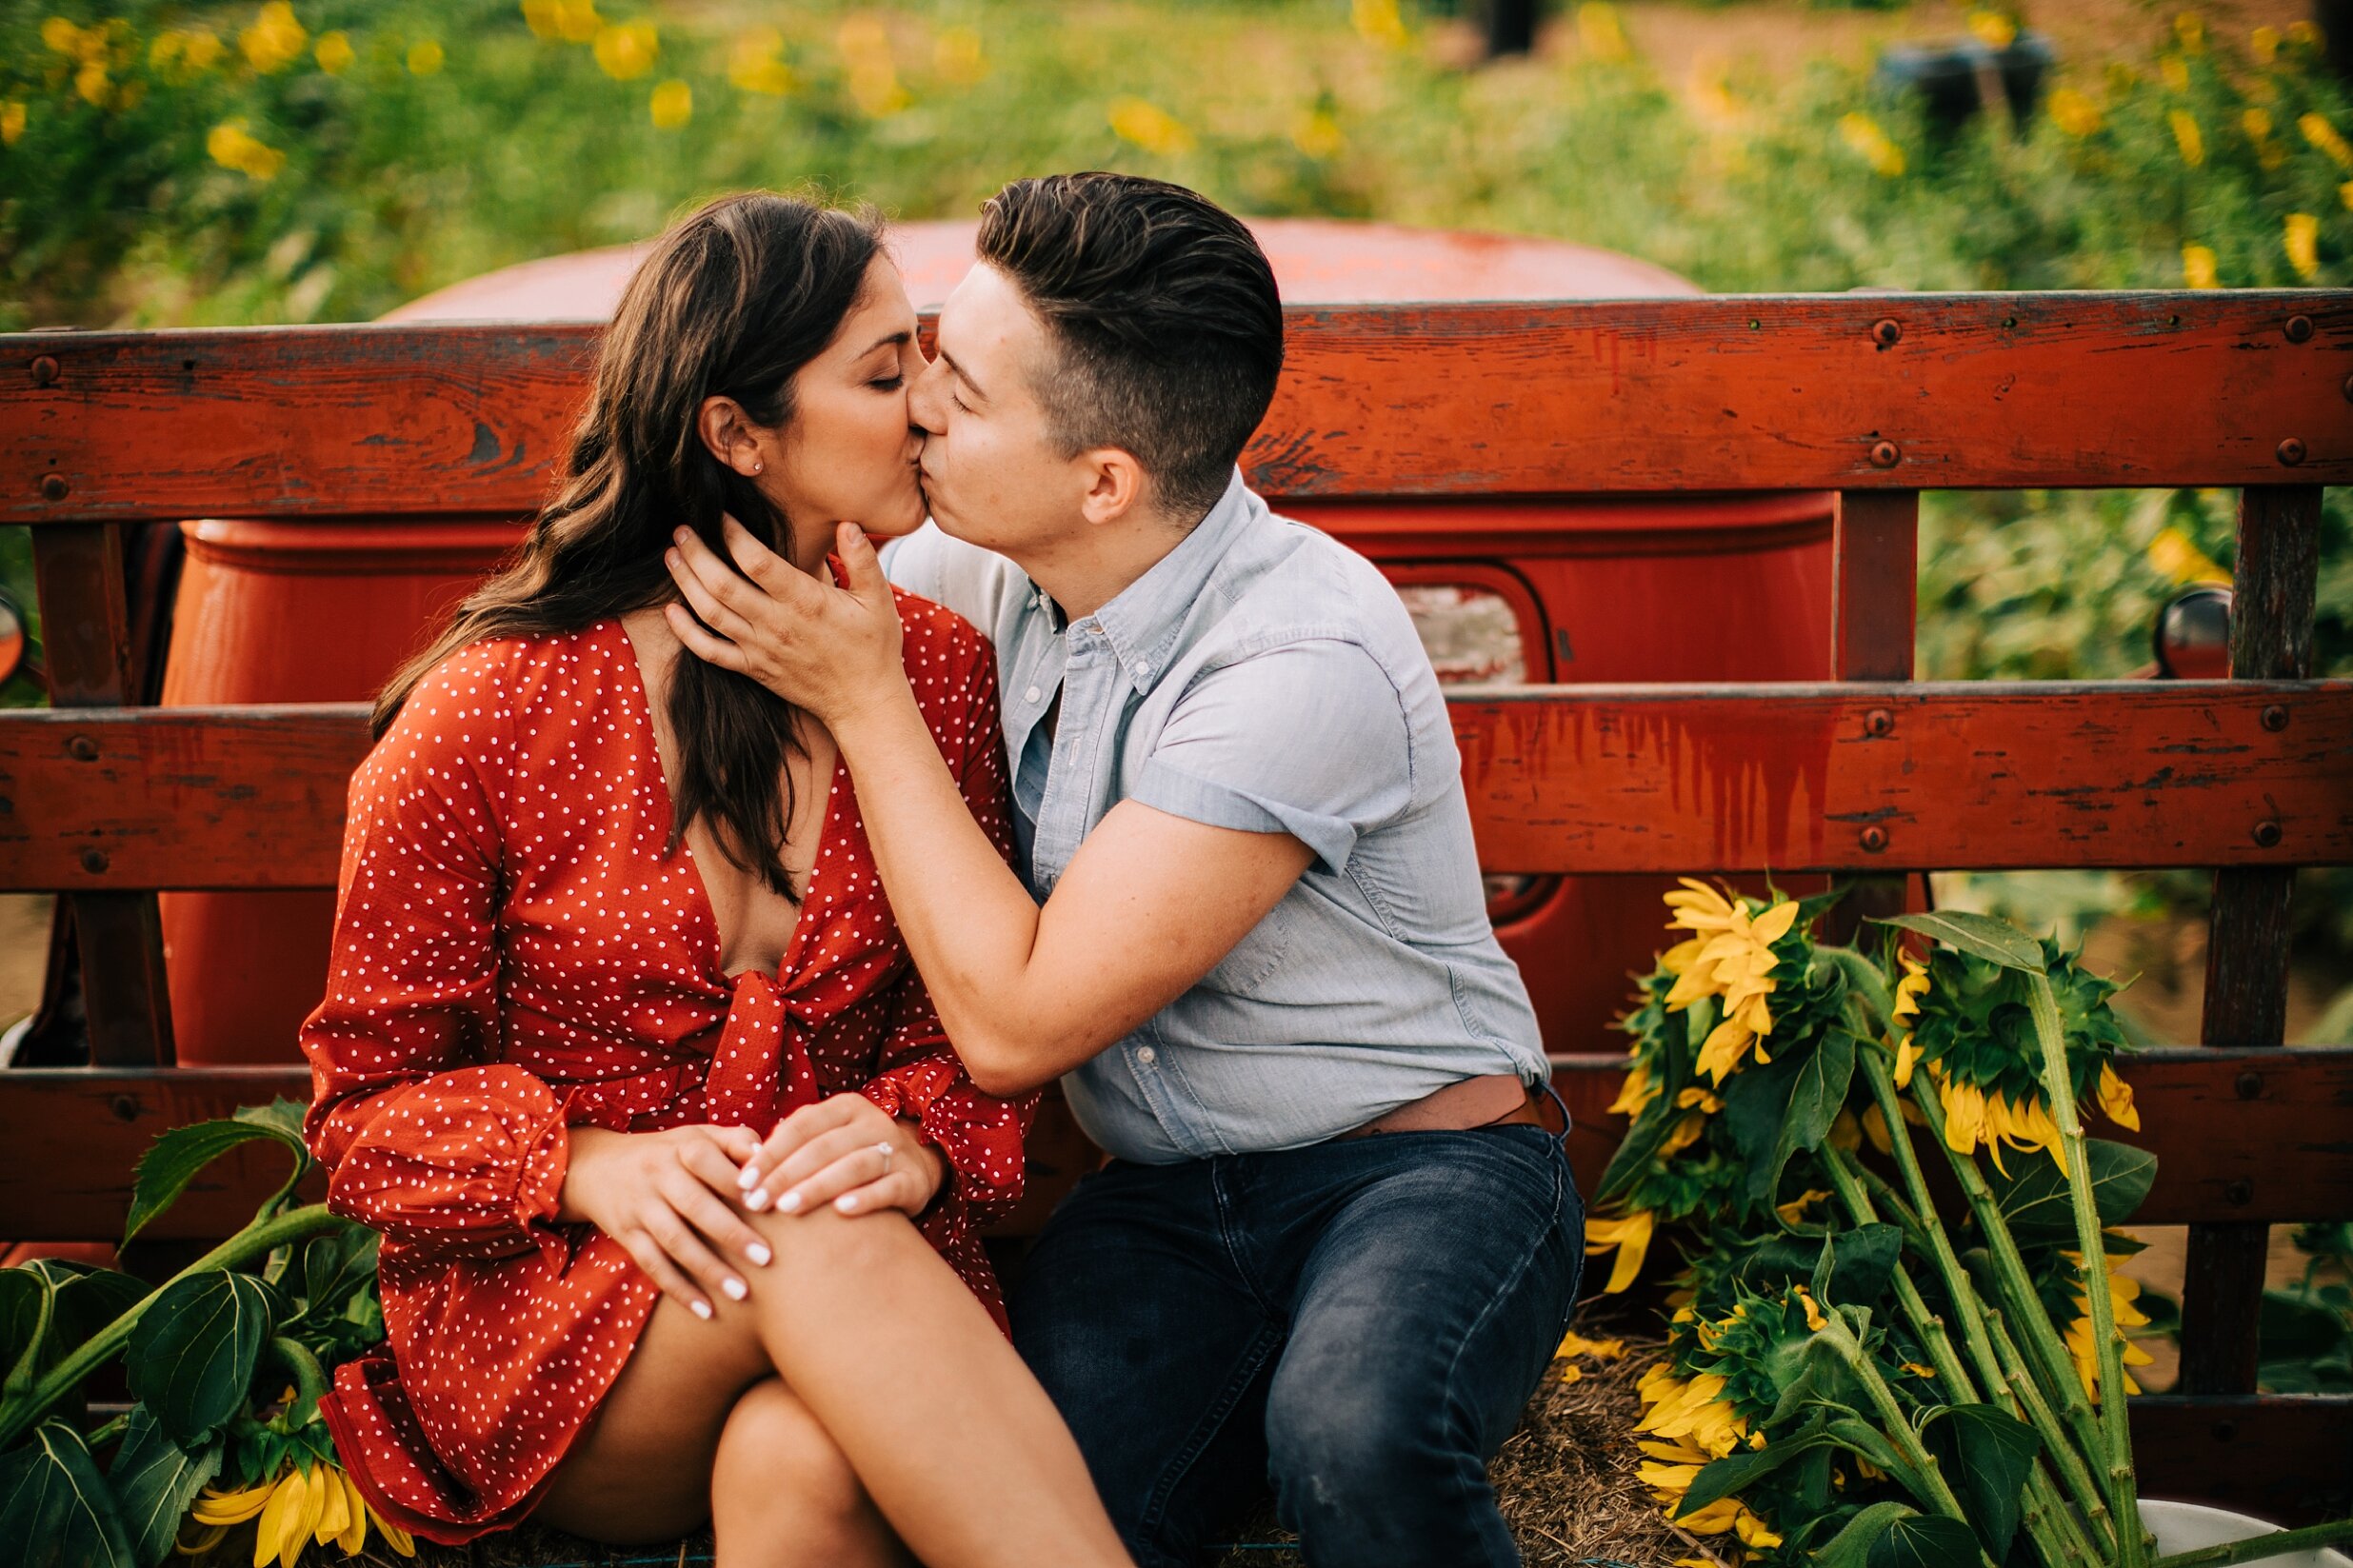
<point x="426" y="1137"/>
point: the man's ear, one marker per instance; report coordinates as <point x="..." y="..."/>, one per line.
<point x="728" y="433"/>
<point x="1117" y="487"/>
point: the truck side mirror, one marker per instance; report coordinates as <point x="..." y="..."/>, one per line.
<point x="2193" y="635"/>
<point x="11" y="639"/>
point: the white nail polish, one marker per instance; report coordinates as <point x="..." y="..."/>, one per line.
<point x="759" y="1253"/>
<point x="702" y="1310"/>
<point x="789" y="1203"/>
<point x="756" y="1200"/>
<point x="847" y="1203"/>
<point x="748" y="1178"/>
<point x="736" y="1289"/>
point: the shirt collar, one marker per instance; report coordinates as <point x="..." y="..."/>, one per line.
<point x="1142" y="621"/>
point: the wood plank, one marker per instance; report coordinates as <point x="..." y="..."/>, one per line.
<point x="1874" y="595"/>
<point x="2238" y="1134"/>
<point x="2286" y="1458"/>
<point x="2246" y="997"/>
<point x="1646" y="779"/>
<point x="87" y="640"/>
<point x="1731" y="392"/>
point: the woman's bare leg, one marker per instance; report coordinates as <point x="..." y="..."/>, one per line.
<point x="886" y="1349"/>
<point x="819" y="1516"/>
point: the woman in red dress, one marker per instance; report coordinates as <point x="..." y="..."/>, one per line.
<point x="607" y="922"/>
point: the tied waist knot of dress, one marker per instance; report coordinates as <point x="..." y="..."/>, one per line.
<point x="759" y="1073"/>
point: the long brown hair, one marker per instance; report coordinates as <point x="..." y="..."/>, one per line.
<point x="731" y="302"/>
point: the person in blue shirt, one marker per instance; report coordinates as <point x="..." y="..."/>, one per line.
<point x="1335" y="1243"/>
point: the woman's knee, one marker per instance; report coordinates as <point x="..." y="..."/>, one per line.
<point x="776" y="1457"/>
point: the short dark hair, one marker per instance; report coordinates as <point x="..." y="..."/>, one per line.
<point x="1165" y="313"/>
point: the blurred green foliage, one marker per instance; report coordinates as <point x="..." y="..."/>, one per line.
<point x="175" y="164"/>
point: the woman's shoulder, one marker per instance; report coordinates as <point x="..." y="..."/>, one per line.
<point x="480" y="689"/>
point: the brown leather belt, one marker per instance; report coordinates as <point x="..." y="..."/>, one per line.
<point x="1496" y="1100"/>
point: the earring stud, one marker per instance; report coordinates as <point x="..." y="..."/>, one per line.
<point x="758" y="467"/>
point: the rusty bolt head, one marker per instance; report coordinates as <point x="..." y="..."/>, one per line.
<point x="53" y="488"/>
<point x="2275" y="718"/>
<point x="94" y="861"/>
<point x="44" y="370"/>
<point x="1874" y="839"/>
<point x="82" y="748"/>
<point x="1878" y="722"/>
<point x="1886" y="332"/>
<point x="2249" y="1085"/>
<point x="1883" y="454"/>
<point x="2291" y="451"/>
<point x="2298" y="328"/>
<point x="2238" y="1193"/>
<point x="2225" y="1430"/>
<point x="126" y="1107"/>
<point x="2267" y="834"/>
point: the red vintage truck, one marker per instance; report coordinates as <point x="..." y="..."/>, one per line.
<point x="1673" y="536"/>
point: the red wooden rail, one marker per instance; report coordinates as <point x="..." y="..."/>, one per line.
<point x="1875" y="397"/>
<point x="1569" y="779"/>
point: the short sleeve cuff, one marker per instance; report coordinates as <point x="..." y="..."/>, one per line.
<point x="1212" y="804"/>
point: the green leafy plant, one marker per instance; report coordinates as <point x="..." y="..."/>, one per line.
<point x="1853" y="1373"/>
<point x="225" y="1362"/>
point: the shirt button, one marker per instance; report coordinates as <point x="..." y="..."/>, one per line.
<point x="1030" y="696"/>
<point x="1146" y="1056"/>
<point x="1145" y="669"/>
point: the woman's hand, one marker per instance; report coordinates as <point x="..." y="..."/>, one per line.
<point x="828" y="650"/>
<point x="847" y="1152"/>
<point x="669" y="1198"/>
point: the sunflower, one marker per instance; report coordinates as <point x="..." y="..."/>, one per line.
<point x="2123" y="1304"/>
<point x="1631" y="1235"/>
<point x="299" y="1504"/>
<point x="1732" y="955"/>
<point x="1908" y="991"/>
<point x="1687" y="1427"/>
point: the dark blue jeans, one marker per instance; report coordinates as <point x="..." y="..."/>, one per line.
<point x="1358" y="1324"/>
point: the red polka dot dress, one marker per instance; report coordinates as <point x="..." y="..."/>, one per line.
<point x="513" y="957"/>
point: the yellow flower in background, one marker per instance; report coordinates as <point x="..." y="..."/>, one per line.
<point x="1601" y="34"/>
<point x="2305" y="34"/>
<point x="296" y="1508"/>
<point x="185" y="51"/>
<point x="1862" y="134"/>
<point x="1317" y="134"/>
<point x="865" y="43"/>
<point x="335" y="53"/>
<point x="2187" y="137"/>
<point x="2301" y="240"/>
<point x="1150" y="127"/>
<point x="956" y="55"/>
<point x="233" y="147"/>
<point x="1814" y="1319"/>
<point x="626" y="51"/>
<point x="2257" y="123"/>
<point x="1378" y="20"/>
<point x="2074" y="113"/>
<point x="2197" y="266"/>
<point x="571" y="21"/>
<point x="2322" y="135"/>
<point x="2182" y="561"/>
<point x="672" y="104"/>
<point x="276" y="40"/>
<point x="2174" y="70"/>
<point x="1795" y="1209"/>
<point x="425" y="57"/>
<point x="2192" y="28"/>
<point x="2123" y="1299"/>
<point x="1731" y="957"/>
<point x="2263" y="44"/>
<point x="1631" y="1236"/>
<point x="1993" y="28"/>
<point x="755" y="63"/>
<point x="11" y="123"/>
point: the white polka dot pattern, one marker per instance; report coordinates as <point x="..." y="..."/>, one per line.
<point x="513" y="955"/>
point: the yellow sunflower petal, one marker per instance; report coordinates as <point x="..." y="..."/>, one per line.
<point x="214" y="1507"/>
<point x="355" y="1538"/>
<point x="335" y="1504"/>
<point x="2116" y="1098"/>
<point x="1907" y="1057"/>
<point x="1774" y="924"/>
<point x="280" y="1529"/>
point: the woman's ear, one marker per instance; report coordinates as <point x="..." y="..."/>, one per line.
<point x="728" y="435"/>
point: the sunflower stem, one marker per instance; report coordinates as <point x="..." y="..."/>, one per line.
<point x="2256" y="1547"/>
<point x="1896" y="1426"/>
<point x="2115" y="1422"/>
<point x="2053" y="1367"/>
<point x="2057" y="1532"/>
<point x="255" y="1240"/>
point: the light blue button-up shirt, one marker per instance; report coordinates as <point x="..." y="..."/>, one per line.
<point x="1262" y="677"/>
